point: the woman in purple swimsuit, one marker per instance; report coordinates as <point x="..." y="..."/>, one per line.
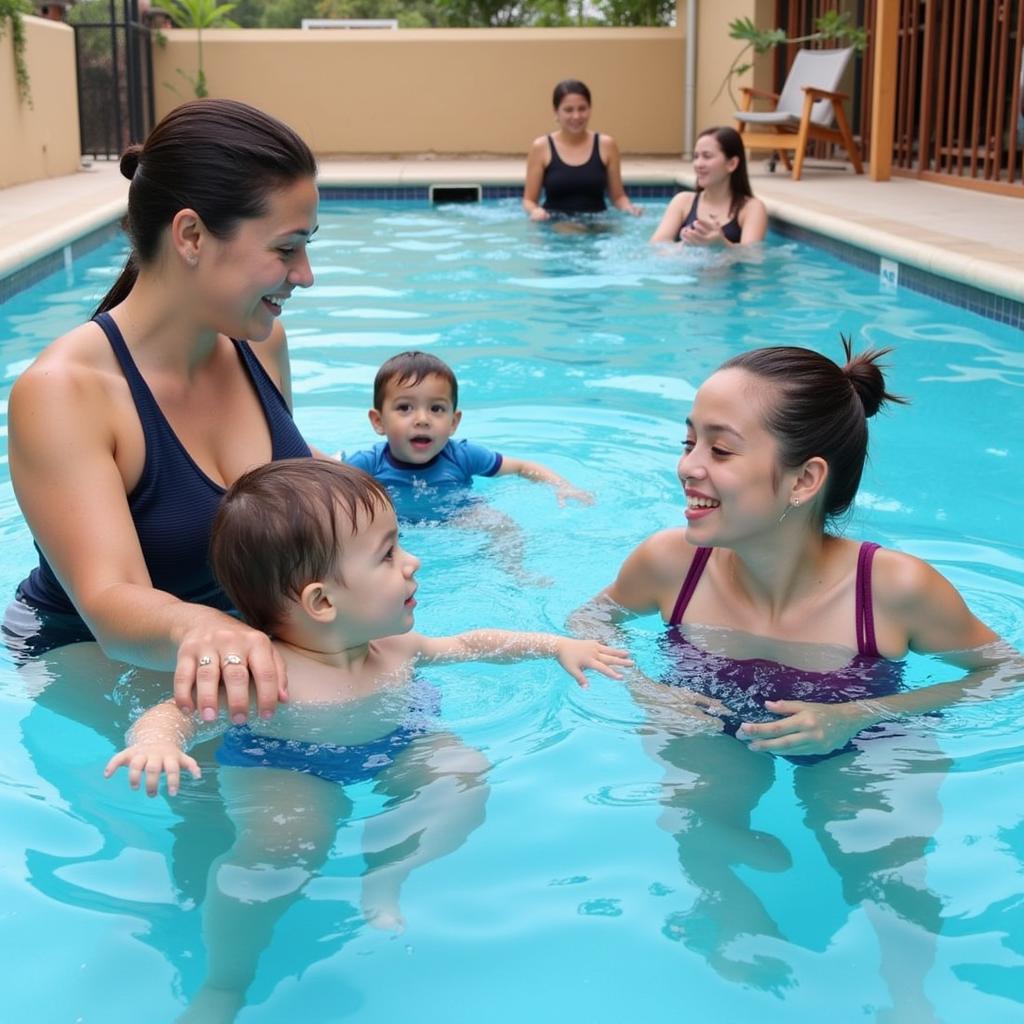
<point x="774" y="450"/>
<point x="789" y="637"/>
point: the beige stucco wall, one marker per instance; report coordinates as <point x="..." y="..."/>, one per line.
<point x="439" y="90"/>
<point x="41" y="140"/>
<point x="716" y="52"/>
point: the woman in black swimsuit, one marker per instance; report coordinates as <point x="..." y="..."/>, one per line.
<point x="574" y="166"/>
<point x="723" y="210"/>
<point x="125" y="432"/>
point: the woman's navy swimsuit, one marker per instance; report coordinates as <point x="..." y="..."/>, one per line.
<point x="172" y="506"/>
<point x="744" y="685"/>
<point x="731" y="230"/>
<point x="575" y="188"/>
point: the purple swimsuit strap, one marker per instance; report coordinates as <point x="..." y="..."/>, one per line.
<point x="865" y="612"/>
<point x="693" y="574"/>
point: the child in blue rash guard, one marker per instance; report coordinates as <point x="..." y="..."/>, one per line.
<point x="415" y="407"/>
<point x="428" y="474"/>
<point x="307" y="550"/>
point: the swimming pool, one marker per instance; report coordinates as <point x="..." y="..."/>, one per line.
<point x="589" y="891"/>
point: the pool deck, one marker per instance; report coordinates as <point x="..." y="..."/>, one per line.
<point x="972" y="237"/>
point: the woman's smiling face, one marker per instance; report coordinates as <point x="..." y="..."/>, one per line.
<point x="734" y="486"/>
<point x="573" y="113"/>
<point x="245" y="279"/>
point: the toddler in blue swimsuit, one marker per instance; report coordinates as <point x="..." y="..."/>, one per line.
<point x="428" y="474"/>
<point x="307" y="550"/>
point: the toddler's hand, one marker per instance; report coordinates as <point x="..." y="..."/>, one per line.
<point x="540" y="214"/>
<point x="569" y="493"/>
<point x="153" y="760"/>
<point x="576" y="655"/>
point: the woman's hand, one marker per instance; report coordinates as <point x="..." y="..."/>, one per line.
<point x="806" y="728"/>
<point x="153" y="759"/>
<point x="576" y="655"/>
<point x="539" y="213"/>
<point x="229" y="655"/>
<point x="703" y="232"/>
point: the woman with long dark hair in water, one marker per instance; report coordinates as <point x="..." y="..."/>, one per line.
<point x="126" y="431"/>
<point x="723" y="210"/>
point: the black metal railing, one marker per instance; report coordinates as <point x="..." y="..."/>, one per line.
<point x="115" y="80"/>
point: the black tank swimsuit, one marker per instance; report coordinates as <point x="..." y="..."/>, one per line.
<point x="575" y="188"/>
<point x="731" y="230"/>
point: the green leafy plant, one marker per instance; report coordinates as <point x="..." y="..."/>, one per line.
<point x="833" y="26"/>
<point x="14" y="11"/>
<point x="199" y="14"/>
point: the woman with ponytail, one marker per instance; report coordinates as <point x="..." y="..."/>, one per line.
<point x="775" y="447"/>
<point x="125" y="432"/>
<point x="789" y="638"/>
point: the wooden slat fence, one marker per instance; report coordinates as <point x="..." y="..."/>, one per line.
<point x="958" y="87"/>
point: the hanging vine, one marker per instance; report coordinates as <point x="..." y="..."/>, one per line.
<point x="15" y="11"/>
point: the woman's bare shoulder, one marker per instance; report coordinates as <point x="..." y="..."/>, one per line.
<point x="898" y="578"/>
<point x="662" y="556"/>
<point x="73" y="363"/>
<point x="653" y="572"/>
<point x="752" y="207"/>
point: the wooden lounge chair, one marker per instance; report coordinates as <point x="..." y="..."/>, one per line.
<point x="803" y="110"/>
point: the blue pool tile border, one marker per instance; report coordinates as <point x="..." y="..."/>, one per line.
<point x="956" y="293"/>
<point x="380" y="192"/>
<point x="970" y="297"/>
<point x="421" y="193"/>
<point x="46" y="265"/>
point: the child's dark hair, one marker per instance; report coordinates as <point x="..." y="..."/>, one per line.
<point x="277" y="530"/>
<point x="817" y="408"/>
<point x="410" y="368"/>
<point x="570" y="87"/>
<point x="220" y="158"/>
<point x="731" y="143"/>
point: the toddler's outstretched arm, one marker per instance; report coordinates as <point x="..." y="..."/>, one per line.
<point x="156" y="746"/>
<point x="505" y="645"/>
<point x="536" y="472"/>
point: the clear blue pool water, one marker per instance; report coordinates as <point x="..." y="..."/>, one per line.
<point x="592" y="890"/>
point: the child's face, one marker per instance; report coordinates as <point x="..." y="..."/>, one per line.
<point x="417" y="419"/>
<point x="374" y="586"/>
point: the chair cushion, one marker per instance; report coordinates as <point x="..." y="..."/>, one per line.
<point x="772" y="117"/>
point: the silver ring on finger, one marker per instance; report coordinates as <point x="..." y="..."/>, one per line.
<point x="232" y="659"/>
<point x="205" y="660"/>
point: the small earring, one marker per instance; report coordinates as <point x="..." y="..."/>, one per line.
<point x="794" y="504"/>
<point x="191" y="259"/>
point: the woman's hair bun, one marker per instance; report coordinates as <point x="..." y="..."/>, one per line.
<point x="865" y="375"/>
<point x="130" y="160"/>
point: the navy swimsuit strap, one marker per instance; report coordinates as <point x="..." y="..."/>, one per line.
<point x="145" y="404"/>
